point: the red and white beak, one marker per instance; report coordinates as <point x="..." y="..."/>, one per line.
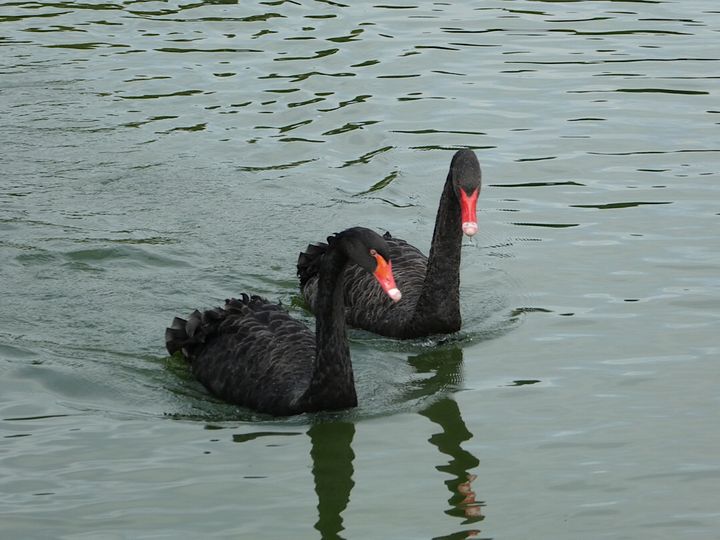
<point x="383" y="273"/>
<point x="468" y="211"/>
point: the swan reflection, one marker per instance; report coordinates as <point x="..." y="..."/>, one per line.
<point x="332" y="468"/>
<point x="442" y="371"/>
<point x="439" y="373"/>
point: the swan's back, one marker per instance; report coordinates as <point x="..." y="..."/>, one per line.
<point x="366" y="305"/>
<point x="250" y="352"/>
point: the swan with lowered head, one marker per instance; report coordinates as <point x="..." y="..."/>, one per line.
<point x="252" y="353"/>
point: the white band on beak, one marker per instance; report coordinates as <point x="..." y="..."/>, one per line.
<point x="470" y="228"/>
<point x="394" y="294"/>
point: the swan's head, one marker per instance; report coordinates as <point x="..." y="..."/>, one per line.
<point x="383" y="274"/>
<point x="466" y="180"/>
<point x="369" y="250"/>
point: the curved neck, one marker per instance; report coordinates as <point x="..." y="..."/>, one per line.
<point x="332" y="385"/>
<point x="440" y="296"/>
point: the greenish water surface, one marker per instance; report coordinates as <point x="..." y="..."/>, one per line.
<point x="159" y="157"/>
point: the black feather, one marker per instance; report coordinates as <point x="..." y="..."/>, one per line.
<point x="430" y="287"/>
<point x="252" y="353"/>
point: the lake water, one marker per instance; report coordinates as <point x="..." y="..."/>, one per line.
<point x="159" y="157"/>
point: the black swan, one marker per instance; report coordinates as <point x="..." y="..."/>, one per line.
<point x="252" y="353"/>
<point x="431" y="286"/>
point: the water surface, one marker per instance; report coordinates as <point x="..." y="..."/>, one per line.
<point x="162" y="156"/>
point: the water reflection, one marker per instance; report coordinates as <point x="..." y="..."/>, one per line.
<point x="443" y="373"/>
<point x="439" y="372"/>
<point x="463" y="501"/>
<point x="332" y="469"/>
<point x="332" y="457"/>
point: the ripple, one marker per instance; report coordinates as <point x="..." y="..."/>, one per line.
<point x="354" y="101"/>
<point x="644" y="91"/>
<point x="13" y="18"/>
<point x="318" y="54"/>
<point x="124" y="253"/>
<point x="366" y="63"/>
<point x="612" y="61"/>
<point x="197" y="127"/>
<point x="17" y="353"/>
<point x="299" y="77"/>
<point x="351" y="126"/>
<point x="429" y="131"/>
<point x="538" y="184"/>
<point x="149" y="120"/>
<point x="544" y="158"/>
<point x="621" y="32"/>
<point x="278" y="167"/>
<point x="550" y="225"/>
<point x="179" y="93"/>
<point x="86" y="45"/>
<point x="449" y="148"/>
<point x="178" y="50"/>
<point x="614" y="206"/>
<point x="407" y="76"/>
<point x="365" y="158"/>
<point x="651" y="152"/>
<point x="352" y="36"/>
<point x="245" y="437"/>
<point x="306" y="102"/>
<point x="152" y="16"/>
<point x="382" y="184"/>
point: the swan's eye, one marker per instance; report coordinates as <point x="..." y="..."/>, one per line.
<point x="373" y="252"/>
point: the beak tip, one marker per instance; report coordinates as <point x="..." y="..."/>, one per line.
<point x="470" y="228"/>
<point x="395" y="294"/>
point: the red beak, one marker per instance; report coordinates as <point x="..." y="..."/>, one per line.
<point x="383" y="273"/>
<point x="468" y="211"/>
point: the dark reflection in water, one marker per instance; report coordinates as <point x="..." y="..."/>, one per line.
<point x="463" y="499"/>
<point x="332" y="468"/>
<point x="245" y="437"/>
<point x="439" y="373"/>
<point x="443" y="370"/>
<point x="332" y="457"/>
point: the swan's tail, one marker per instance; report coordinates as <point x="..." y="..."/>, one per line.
<point x="308" y="264"/>
<point x="183" y="334"/>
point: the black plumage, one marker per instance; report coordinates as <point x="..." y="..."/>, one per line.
<point x="430" y="285"/>
<point x="252" y="353"/>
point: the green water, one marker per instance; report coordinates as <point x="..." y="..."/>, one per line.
<point x="159" y="157"/>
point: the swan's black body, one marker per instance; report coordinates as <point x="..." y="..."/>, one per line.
<point x="252" y="353"/>
<point x="430" y="286"/>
